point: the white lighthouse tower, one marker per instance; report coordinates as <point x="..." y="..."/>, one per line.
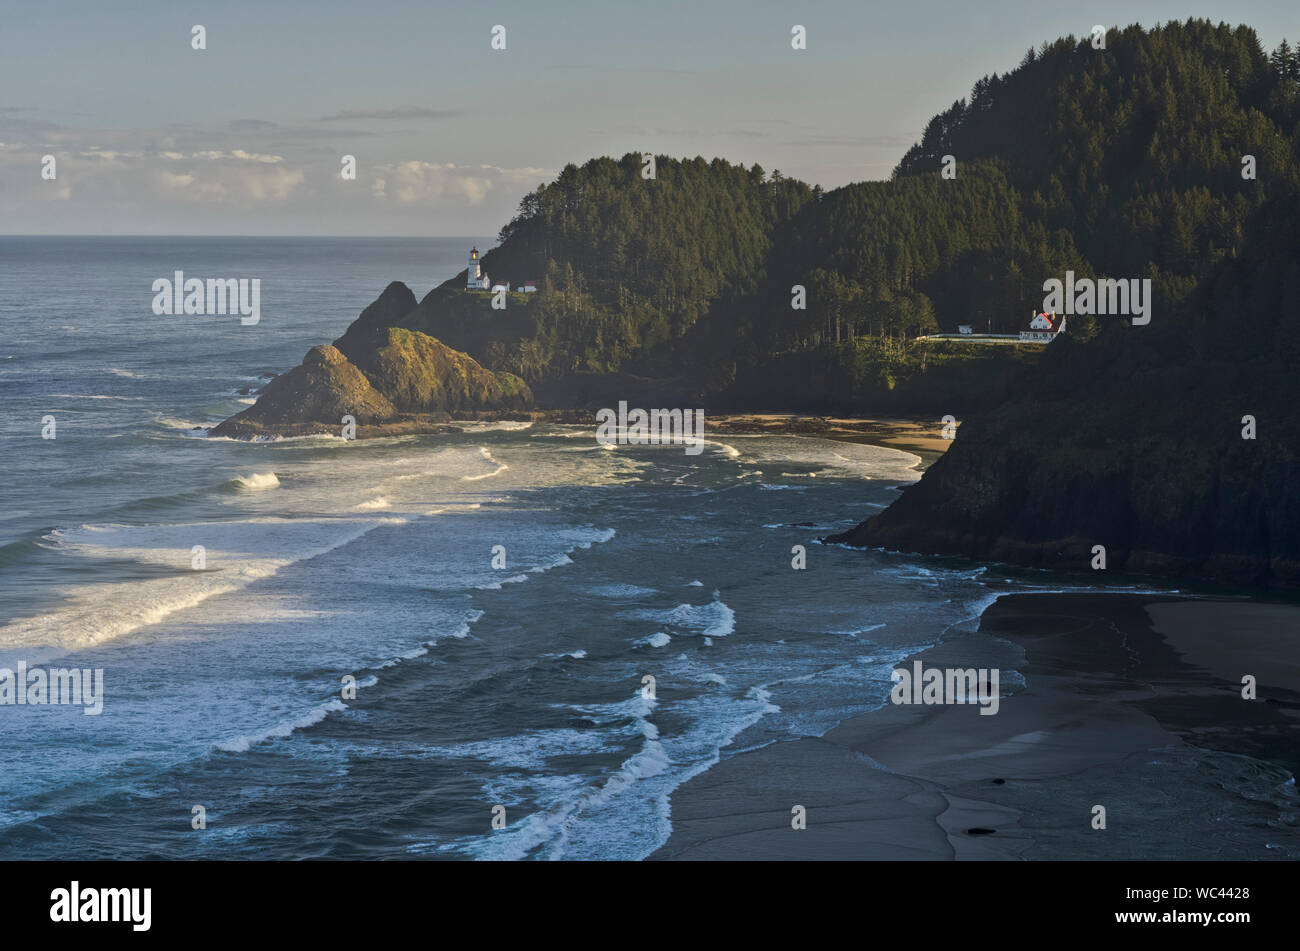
<point x="474" y="277"/>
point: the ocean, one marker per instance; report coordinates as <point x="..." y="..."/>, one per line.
<point x="642" y="619"/>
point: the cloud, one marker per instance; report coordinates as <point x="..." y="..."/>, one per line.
<point x="184" y="179"/>
<point x="108" y="155"/>
<point x="428" y="183"/>
<point x="399" y="112"/>
<point x="95" y="176"/>
<point x="419" y="183"/>
<point x="257" y="157"/>
<point x="216" y="155"/>
<point x="275" y="184"/>
<point x="236" y="178"/>
<point x="520" y="174"/>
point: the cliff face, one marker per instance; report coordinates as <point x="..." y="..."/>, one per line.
<point x="387" y="311"/>
<point x="1167" y="504"/>
<point x="389" y="378"/>
<point x="422" y="375"/>
<point x="312" y="397"/>
<point x="1134" y="441"/>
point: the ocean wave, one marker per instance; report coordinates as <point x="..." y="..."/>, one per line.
<point x="500" y="467"/>
<point x="855" y="631"/>
<point x="95" y="396"/>
<point x="236" y="554"/>
<point x="548" y="826"/>
<point x="559" y="561"/>
<point x="504" y="425"/>
<point x="22" y="550"/>
<point x="712" y="619"/>
<point x="598" y="536"/>
<point x="257" y="482"/>
<point x="459" y="633"/>
<point x="820" y="457"/>
<point x="415" y="652"/>
<point x="242" y="744"/>
<point x="184" y="425"/>
<point x="626" y="815"/>
<point x="723" y="448"/>
<point x="620" y="591"/>
<point x="579" y="538"/>
<point x="457" y="507"/>
<point x="496" y="585"/>
<point x="532" y="750"/>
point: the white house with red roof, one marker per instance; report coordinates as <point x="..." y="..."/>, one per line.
<point x="1042" y="327"/>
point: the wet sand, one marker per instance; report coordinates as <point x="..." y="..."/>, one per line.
<point x="921" y="436"/>
<point x="1130" y="702"/>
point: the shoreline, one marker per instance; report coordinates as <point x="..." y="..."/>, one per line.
<point x="917" y="435"/>
<point x="921" y="437"/>
<point x="1127" y="703"/>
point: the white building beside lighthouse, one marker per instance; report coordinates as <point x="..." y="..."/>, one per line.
<point x="476" y="279"/>
<point x="1043" y="328"/>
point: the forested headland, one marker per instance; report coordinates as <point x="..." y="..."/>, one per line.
<point x="1122" y="162"/>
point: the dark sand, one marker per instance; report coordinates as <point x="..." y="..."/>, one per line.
<point x="922" y="437"/>
<point x="1132" y="702"/>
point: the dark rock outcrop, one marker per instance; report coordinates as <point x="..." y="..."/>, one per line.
<point x="387" y="310"/>
<point x="390" y="379"/>
<point x="312" y="397"/>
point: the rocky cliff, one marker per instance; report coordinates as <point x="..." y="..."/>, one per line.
<point x="389" y="378"/>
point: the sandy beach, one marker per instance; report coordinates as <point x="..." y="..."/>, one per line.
<point x="924" y="437"/>
<point x="920" y="436"/>
<point x="1130" y="702"/>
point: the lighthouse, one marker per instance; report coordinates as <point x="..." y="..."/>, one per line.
<point x="474" y="276"/>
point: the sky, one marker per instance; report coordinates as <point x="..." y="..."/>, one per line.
<point x="247" y="136"/>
